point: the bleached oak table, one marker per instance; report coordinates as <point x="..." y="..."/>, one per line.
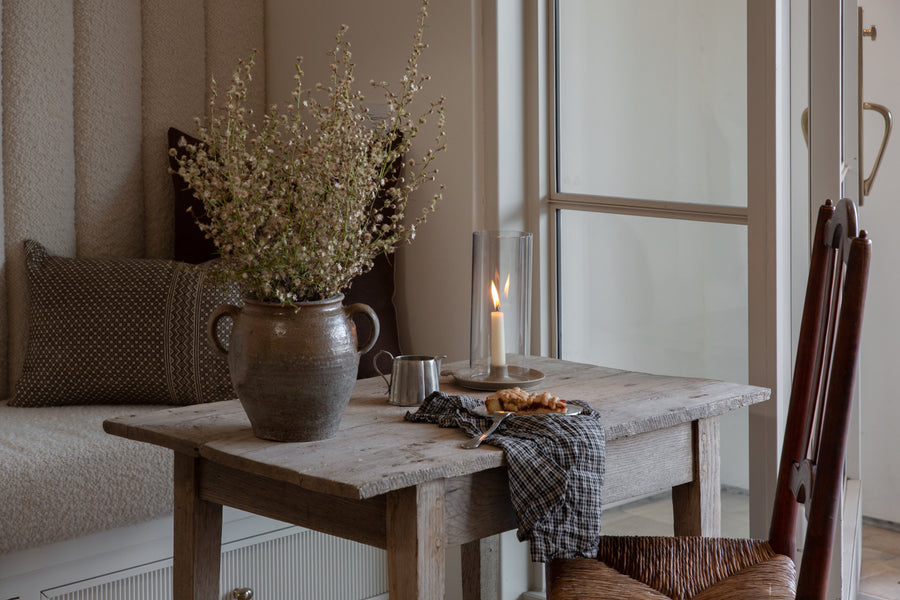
<point x="410" y="489"/>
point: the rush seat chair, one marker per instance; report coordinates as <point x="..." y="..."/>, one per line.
<point x="810" y="470"/>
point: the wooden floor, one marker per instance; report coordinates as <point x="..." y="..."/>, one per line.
<point x="653" y="516"/>
<point x="880" y="564"/>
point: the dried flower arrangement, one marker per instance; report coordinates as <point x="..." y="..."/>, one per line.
<point x="303" y="203"/>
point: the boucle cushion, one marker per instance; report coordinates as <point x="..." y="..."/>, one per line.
<point x="62" y="477"/>
<point x="120" y="331"/>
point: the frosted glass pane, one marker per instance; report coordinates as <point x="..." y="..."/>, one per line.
<point x="652" y="99"/>
<point x="654" y="295"/>
<point x="659" y="296"/>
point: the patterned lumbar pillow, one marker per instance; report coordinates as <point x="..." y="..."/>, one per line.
<point x="120" y="331"/>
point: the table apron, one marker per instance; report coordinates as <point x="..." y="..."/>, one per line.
<point x="649" y="462"/>
<point x="362" y="521"/>
<point x="476" y="505"/>
<point x="479" y="505"/>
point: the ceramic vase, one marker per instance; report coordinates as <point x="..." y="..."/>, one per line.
<point x="293" y="367"/>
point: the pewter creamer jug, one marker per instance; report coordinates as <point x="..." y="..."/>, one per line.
<point x="413" y="377"/>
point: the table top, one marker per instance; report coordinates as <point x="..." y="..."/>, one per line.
<point x="377" y="451"/>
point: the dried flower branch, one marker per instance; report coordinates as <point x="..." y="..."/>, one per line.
<point x="303" y="203"/>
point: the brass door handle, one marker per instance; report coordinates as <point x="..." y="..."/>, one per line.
<point x="804" y="125"/>
<point x="888" y="127"/>
<point x="888" y="124"/>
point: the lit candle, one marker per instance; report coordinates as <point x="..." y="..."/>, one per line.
<point x="498" y="342"/>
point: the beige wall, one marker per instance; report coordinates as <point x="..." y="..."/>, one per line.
<point x="484" y="167"/>
<point x="433" y="279"/>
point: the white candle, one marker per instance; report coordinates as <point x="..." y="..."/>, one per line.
<point x="498" y="344"/>
<point x="498" y="341"/>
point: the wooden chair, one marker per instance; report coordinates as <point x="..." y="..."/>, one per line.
<point x="810" y="471"/>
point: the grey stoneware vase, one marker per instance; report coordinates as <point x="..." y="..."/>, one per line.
<point x="293" y="367"/>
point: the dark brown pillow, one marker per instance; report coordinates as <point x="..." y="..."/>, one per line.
<point x="120" y="331"/>
<point x="191" y="245"/>
<point x="375" y="288"/>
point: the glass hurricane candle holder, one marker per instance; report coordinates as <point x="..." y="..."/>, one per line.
<point x="501" y="312"/>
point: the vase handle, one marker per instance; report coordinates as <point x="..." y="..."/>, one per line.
<point x="365" y="309"/>
<point x="226" y="310"/>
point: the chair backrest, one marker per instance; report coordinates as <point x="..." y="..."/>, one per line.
<point x="812" y="456"/>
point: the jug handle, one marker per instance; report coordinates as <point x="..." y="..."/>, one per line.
<point x="226" y="310"/>
<point x="360" y="308"/>
<point x="375" y="364"/>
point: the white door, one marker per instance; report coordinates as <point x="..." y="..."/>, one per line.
<point x="828" y="80"/>
<point x="880" y="211"/>
<point x="668" y="203"/>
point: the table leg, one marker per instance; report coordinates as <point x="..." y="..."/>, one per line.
<point x="481" y="569"/>
<point x="198" y="536"/>
<point x="697" y="505"/>
<point x="416" y="542"/>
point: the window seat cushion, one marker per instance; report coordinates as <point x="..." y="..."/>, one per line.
<point x="62" y="476"/>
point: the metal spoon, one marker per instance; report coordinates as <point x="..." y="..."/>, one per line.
<point x="498" y="418"/>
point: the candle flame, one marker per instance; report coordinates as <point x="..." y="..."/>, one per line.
<point x="506" y="287"/>
<point x="495" y="295"/>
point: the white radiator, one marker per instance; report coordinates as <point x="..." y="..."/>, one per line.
<point x="291" y="564"/>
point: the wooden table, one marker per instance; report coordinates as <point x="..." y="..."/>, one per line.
<point x="408" y="487"/>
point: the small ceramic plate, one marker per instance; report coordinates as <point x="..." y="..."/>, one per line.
<point x="481" y="411"/>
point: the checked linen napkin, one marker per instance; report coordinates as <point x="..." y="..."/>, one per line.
<point x="556" y="464"/>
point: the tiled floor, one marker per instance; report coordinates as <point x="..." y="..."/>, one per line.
<point x="653" y="516"/>
<point x="880" y="576"/>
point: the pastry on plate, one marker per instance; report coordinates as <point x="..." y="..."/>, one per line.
<point x="524" y="403"/>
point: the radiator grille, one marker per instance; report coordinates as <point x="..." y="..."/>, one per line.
<point x="293" y="564"/>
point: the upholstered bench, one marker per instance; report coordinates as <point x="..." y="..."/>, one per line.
<point x="64" y="477"/>
<point x="87" y="515"/>
<point x="110" y="337"/>
<point x="105" y="337"/>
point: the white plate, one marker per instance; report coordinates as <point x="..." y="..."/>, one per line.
<point x="481" y="411"/>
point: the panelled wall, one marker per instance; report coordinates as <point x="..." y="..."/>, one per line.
<point x="89" y="88"/>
